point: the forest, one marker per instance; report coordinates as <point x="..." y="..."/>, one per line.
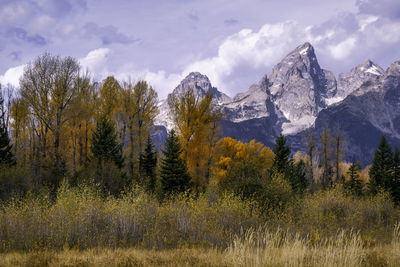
<point x="80" y="174"/>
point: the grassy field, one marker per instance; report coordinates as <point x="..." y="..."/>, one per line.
<point x="82" y="228"/>
<point x="256" y="248"/>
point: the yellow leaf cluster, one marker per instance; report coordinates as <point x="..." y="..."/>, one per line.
<point x="232" y="155"/>
<point x="196" y="121"/>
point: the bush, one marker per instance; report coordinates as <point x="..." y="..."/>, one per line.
<point x="81" y="218"/>
<point x="275" y="195"/>
<point x="327" y="211"/>
<point x="108" y="177"/>
<point x="14" y="182"/>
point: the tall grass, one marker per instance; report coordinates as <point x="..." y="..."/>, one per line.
<point x="254" y="248"/>
<point x="81" y="218"/>
<point x="283" y="248"/>
<point x="327" y="228"/>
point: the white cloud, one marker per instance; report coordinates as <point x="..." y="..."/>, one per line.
<point x="254" y="53"/>
<point x="12" y="76"/>
<point x="368" y="20"/>
<point x="253" y="50"/>
<point x="96" y="62"/>
<point x="383" y="31"/>
<point x="343" y="49"/>
<point x="250" y="51"/>
<point x="162" y="82"/>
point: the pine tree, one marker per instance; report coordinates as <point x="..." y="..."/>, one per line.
<point x="6" y="156"/>
<point x="282" y="154"/>
<point x="295" y="173"/>
<point x="148" y="163"/>
<point x="396" y="176"/>
<point x="174" y="175"/>
<point x="104" y="143"/>
<point x="380" y="172"/>
<point x="354" y="185"/>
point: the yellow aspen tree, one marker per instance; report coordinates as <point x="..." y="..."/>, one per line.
<point x="240" y="163"/>
<point x="81" y="115"/>
<point x="109" y="96"/>
<point x="196" y="121"/>
<point x="19" y="113"/>
<point x="138" y="109"/>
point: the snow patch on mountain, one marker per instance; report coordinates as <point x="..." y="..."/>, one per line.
<point x="293" y="96"/>
<point x="352" y="81"/>
<point x="333" y="100"/>
<point x="374" y="70"/>
<point x="164" y="116"/>
<point x="290" y="128"/>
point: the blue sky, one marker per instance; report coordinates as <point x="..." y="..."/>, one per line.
<point x="233" y="42"/>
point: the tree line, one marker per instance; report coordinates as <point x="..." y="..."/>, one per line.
<point x="62" y="125"/>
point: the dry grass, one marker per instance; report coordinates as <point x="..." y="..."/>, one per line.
<point x="82" y="228"/>
<point x="80" y="219"/>
<point x="118" y="257"/>
<point x="255" y="248"/>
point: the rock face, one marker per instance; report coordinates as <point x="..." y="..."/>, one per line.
<point x="253" y="115"/>
<point x="299" y="88"/>
<point x="200" y="84"/>
<point x="300" y="96"/>
<point x="366" y="114"/>
<point x="351" y="81"/>
<point x="251" y="104"/>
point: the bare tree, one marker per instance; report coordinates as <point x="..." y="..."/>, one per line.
<point x="310" y="141"/>
<point x="7" y="93"/>
<point x="338" y="141"/>
<point x="325" y="157"/>
<point x="48" y="85"/>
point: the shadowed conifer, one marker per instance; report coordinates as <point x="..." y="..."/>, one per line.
<point x="148" y="163"/>
<point x="354" y="184"/>
<point x="174" y="176"/>
<point x="381" y="170"/>
<point x="396" y="176"/>
<point x="282" y="154"/>
<point x="6" y="156"/>
<point x="104" y="143"/>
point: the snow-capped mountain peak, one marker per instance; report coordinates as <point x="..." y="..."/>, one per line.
<point x="200" y="84"/>
<point x="352" y="81"/>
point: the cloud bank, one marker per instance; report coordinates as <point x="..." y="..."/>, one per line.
<point x="237" y="57"/>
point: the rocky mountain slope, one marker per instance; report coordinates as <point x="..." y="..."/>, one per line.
<point x="300" y="96"/>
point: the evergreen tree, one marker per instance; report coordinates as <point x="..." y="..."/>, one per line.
<point x="381" y="170"/>
<point x="282" y="154"/>
<point x="174" y="175"/>
<point x="6" y="156"/>
<point x="396" y="176"/>
<point x="354" y="185"/>
<point x="104" y="143"/>
<point x="148" y="163"/>
<point x="295" y="173"/>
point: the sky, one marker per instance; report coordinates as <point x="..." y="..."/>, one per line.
<point x="233" y="42"/>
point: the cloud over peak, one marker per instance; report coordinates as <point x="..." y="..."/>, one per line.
<point x="107" y="34"/>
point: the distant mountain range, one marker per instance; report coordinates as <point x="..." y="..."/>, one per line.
<point x="299" y="96"/>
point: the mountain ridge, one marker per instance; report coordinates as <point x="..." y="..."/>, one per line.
<point x="300" y="96"/>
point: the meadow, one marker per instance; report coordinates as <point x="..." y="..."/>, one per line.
<point x="82" y="227"/>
